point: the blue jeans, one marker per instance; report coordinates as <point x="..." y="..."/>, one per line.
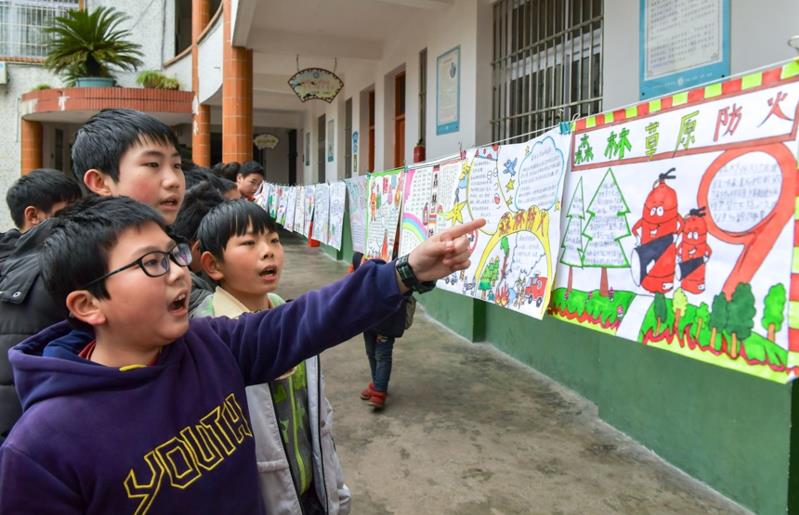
<point x="379" y="350"/>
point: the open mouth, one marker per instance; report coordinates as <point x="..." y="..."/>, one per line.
<point x="172" y="202"/>
<point x="269" y="271"/>
<point x="179" y="302"/>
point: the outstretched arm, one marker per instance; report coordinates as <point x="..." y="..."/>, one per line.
<point x="267" y="344"/>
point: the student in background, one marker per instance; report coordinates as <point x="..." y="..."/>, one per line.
<point x="31" y="200"/>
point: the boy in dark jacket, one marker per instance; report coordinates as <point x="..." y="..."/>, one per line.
<point x="142" y="411"/>
<point x="31" y="200"/>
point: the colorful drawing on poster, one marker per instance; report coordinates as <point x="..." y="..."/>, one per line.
<point x="338" y="199"/>
<point x="282" y="204"/>
<point x="321" y="216"/>
<point x="299" y="210"/>
<point x="383" y="213"/>
<point x="262" y="197"/>
<point x="291" y="208"/>
<point x="273" y="200"/>
<point x="356" y="196"/>
<point x="416" y="207"/>
<point x="308" y="207"/>
<point x="517" y="189"/>
<point x="680" y="228"/>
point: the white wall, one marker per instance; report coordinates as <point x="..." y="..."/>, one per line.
<point x="759" y="32"/>
<point x="467" y="23"/>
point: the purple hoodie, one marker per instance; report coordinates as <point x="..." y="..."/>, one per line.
<point x="174" y="437"/>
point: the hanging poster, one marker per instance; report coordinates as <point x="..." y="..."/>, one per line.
<point x="684" y="43"/>
<point x="321" y="215"/>
<point x="282" y="204"/>
<point x="291" y="208"/>
<point x="299" y="210"/>
<point x="448" y="91"/>
<point x="356" y="196"/>
<point x="429" y="191"/>
<point x="262" y="197"/>
<point x="308" y="207"/>
<point x="273" y="200"/>
<point x="517" y="189"/>
<point x="679" y="224"/>
<point x="383" y="213"/>
<point x="338" y="198"/>
<point x="416" y="207"/>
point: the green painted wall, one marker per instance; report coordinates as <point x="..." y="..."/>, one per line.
<point x="727" y="429"/>
<point x="463" y="315"/>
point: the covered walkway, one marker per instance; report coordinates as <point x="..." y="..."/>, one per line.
<point x="467" y="431"/>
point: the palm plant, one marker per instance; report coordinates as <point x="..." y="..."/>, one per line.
<point x="90" y="43"/>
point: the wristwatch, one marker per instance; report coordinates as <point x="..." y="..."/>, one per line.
<point x="409" y="279"/>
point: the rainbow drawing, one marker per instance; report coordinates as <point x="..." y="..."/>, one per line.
<point x="413" y="226"/>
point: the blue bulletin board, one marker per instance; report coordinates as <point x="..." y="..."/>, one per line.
<point x="683" y="43"/>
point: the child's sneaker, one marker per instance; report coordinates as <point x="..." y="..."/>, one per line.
<point x="377" y="400"/>
<point x="368" y="391"/>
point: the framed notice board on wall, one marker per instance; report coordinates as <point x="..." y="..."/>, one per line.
<point x="683" y="43"/>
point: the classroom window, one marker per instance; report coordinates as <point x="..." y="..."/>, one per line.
<point x="21" y="24"/>
<point x="547" y="64"/>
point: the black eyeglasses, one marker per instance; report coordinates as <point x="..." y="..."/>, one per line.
<point x="154" y="264"/>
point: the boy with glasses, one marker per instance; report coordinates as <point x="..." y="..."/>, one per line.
<point x="150" y="416"/>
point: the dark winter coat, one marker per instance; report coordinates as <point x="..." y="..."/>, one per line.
<point x="25" y="309"/>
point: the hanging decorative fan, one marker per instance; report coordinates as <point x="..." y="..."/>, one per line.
<point x="316" y="83"/>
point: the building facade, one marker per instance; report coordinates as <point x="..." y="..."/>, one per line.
<point x="523" y="66"/>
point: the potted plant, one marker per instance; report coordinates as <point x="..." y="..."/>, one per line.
<point x="87" y="45"/>
<point x="156" y="80"/>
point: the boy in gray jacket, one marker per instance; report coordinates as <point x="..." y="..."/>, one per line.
<point x="299" y="470"/>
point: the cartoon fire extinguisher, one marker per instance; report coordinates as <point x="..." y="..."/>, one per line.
<point x="693" y="252"/>
<point x="654" y="258"/>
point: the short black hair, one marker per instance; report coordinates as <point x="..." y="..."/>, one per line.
<point x="229" y="219"/>
<point x="251" y="167"/>
<point x="41" y="188"/>
<point x="102" y="141"/>
<point x="227" y="171"/>
<point x="199" y="200"/>
<point x="199" y="175"/>
<point x="81" y="238"/>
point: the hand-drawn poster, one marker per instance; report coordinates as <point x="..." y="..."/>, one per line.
<point x="383" y="213"/>
<point x="679" y="224"/>
<point x="262" y="197"/>
<point x="356" y="196"/>
<point x="417" y="197"/>
<point x="338" y="198"/>
<point x="299" y="210"/>
<point x="291" y="208"/>
<point x="321" y="215"/>
<point x="428" y="195"/>
<point x="308" y="207"/>
<point x="517" y="189"/>
<point x="273" y="200"/>
<point x="282" y="204"/>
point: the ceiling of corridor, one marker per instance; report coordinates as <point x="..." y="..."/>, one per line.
<point x="319" y="31"/>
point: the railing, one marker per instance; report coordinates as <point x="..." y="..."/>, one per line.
<point x="21" y="24"/>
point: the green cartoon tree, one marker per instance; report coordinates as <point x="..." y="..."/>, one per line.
<point x="718" y="317"/>
<point x="661" y="310"/>
<point x="702" y="314"/>
<point x="679" y="303"/>
<point x="572" y="243"/>
<point x="740" y="316"/>
<point x="606" y="226"/>
<point x="774" y="310"/>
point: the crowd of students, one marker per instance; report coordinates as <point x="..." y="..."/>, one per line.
<point x="121" y="404"/>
